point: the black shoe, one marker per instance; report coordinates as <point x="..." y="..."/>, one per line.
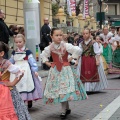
<point x="29" y="104"/>
<point x="68" y="111"/>
<point x="63" y="115"/>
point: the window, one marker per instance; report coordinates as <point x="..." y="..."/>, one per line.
<point x="112" y="9"/>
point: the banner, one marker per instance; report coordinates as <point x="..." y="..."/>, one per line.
<point x="86" y="8"/>
<point x="71" y="6"/>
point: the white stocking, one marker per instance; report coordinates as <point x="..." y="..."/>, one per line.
<point x="64" y="105"/>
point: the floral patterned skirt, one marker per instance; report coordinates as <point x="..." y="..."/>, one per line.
<point x="63" y="86"/>
<point x="20" y="108"/>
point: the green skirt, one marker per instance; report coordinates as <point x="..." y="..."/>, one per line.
<point x="107" y="53"/>
<point x="116" y="58"/>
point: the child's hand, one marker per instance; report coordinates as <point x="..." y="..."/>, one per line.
<point x="76" y="63"/>
<point x="21" y="75"/>
<point x="36" y="74"/>
<point x="75" y="44"/>
<point x="69" y="60"/>
<point x="48" y="64"/>
<point x="93" y="41"/>
<point x="97" y="63"/>
<point x="8" y="84"/>
<point x="11" y="84"/>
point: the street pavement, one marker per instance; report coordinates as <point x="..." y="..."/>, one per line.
<point x="90" y="109"/>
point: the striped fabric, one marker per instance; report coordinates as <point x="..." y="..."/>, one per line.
<point x="5" y="77"/>
<point x="98" y="86"/>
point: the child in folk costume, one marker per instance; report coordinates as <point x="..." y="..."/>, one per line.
<point x="115" y="65"/>
<point x="62" y="84"/>
<point x="116" y="57"/>
<point x="115" y="42"/>
<point x="107" y="50"/>
<point x="30" y="86"/>
<point x="92" y="72"/>
<point x="105" y="65"/>
<point x="12" y="106"/>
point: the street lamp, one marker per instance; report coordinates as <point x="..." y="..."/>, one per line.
<point x="101" y="15"/>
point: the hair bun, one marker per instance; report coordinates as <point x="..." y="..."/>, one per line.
<point x="4" y="47"/>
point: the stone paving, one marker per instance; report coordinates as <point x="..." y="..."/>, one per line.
<point x="116" y="115"/>
<point x="81" y="110"/>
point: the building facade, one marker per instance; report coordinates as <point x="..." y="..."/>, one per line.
<point x="113" y="9"/>
<point x="14" y="11"/>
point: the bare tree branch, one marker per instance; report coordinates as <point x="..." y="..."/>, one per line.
<point x="58" y="1"/>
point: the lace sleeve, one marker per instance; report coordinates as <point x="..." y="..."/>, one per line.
<point x="74" y="50"/>
<point x="15" y="70"/>
<point x="45" y="54"/>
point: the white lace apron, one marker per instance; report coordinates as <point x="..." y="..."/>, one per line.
<point x="26" y="84"/>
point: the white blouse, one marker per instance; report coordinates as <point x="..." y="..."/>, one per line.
<point x="106" y="37"/>
<point x="117" y="37"/>
<point x="98" y="49"/>
<point x="74" y="50"/>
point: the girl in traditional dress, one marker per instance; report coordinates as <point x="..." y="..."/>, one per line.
<point x="92" y="72"/>
<point x="107" y="50"/>
<point x="12" y="106"/>
<point x="105" y="65"/>
<point x="30" y="86"/>
<point x="115" y="42"/>
<point x="62" y="84"/>
<point x="116" y="57"/>
<point x="115" y="65"/>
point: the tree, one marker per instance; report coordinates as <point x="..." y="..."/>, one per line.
<point x="58" y="1"/>
<point x="55" y="8"/>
